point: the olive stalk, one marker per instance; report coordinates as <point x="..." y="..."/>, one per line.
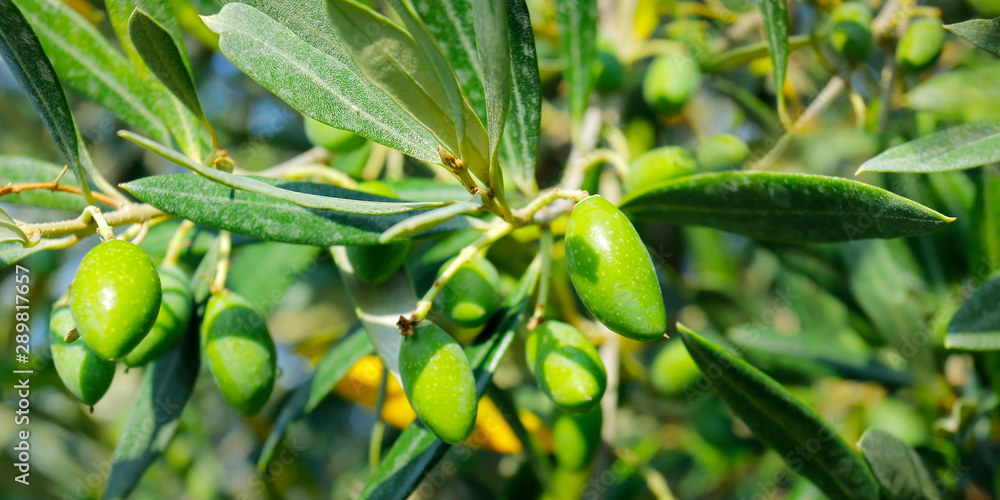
<point x="375" y="442"/>
<point x="54" y="185"/>
<point x="176" y="243"/>
<point x="222" y="266"/>
<point x="465" y="255"/>
<point x="92" y="212"/>
<point x="526" y="214"/>
<point x="545" y="251"/>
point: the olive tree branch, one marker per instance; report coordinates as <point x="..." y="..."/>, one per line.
<point x="85" y="225"/>
<point x="465" y="255"/>
<point x="54" y="185"/>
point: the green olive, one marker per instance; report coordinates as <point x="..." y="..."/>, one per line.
<point x="669" y="83"/>
<point x="240" y="352"/>
<point x="171" y="322"/>
<point x="375" y="264"/>
<point x="721" y="152"/>
<point x="852" y="34"/>
<point x="86" y="375"/>
<point x="566" y="365"/>
<point x="438" y="382"/>
<point x="334" y="139"/>
<point x="609" y="71"/>
<point x="673" y="369"/>
<point x="471" y="296"/>
<point x="921" y="45"/>
<point x="658" y="165"/>
<point x="576" y="438"/>
<point x="115" y="298"/>
<point x="612" y="271"/>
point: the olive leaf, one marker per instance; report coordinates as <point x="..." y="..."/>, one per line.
<point x="86" y="62"/>
<point x="291" y="49"/>
<point x="490" y="19"/>
<point x="212" y="204"/>
<point x="450" y="22"/>
<point x="422" y="222"/>
<point x="418" y="450"/>
<point x="156" y="410"/>
<point x="12" y="252"/>
<point x="577" y="22"/>
<point x="392" y="60"/>
<point x="183" y="124"/>
<point x="438" y="63"/>
<point x="976" y="324"/>
<point x="520" y="139"/>
<point x="983" y="33"/>
<point x="304" y="199"/>
<point x="775" y="14"/>
<point x="807" y="443"/>
<point x="791" y="208"/>
<point x="960" y="147"/>
<point x="897" y="467"/>
<point x="964" y="94"/>
<point x="32" y="70"/>
<point x="330" y="370"/>
<point x="163" y="57"/>
<point x="9" y="230"/>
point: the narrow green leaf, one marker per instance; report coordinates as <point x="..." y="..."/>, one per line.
<point x="391" y="59"/>
<point x="976" y="325"/>
<point x="983" y="33"/>
<point x="330" y="370"/>
<point x="32" y="70"/>
<point x="12" y="252"/>
<point x="183" y="124"/>
<point x="438" y="63"/>
<point x="86" y="62"/>
<point x="784" y="423"/>
<point x="792" y="208"/>
<point x="775" y="14"/>
<point x="156" y="410"/>
<point x="964" y="94"/>
<point x="897" y="467"/>
<point x="21" y="169"/>
<point x="305" y="199"/>
<point x="292" y="50"/>
<point x="490" y="18"/>
<point x="422" y="222"/>
<point x="418" y="450"/>
<point x="163" y="57"/>
<point x="451" y="23"/>
<point x="577" y="21"/>
<point x="960" y="147"/>
<point x="524" y="122"/>
<point x="9" y="230"/>
<point x="986" y="226"/>
<point x="211" y="204"/>
<point x="740" y="56"/>
<point x="885" y="288"/>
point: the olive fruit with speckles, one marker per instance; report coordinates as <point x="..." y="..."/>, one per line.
<point x="921" y="45"/>
<point x="658" y="165"/>
<point x="86" y="375"/>
<point x="721" y="152"/>
<point x="566" y="365"/>
<point x="669" y="83"/>
<point x="332" y="138"/>
<point x="438" y="381"/>
<point x="375" y="264"/>
<point x="576" y="438"/>
<point x="673" y="369"/>
<point x="612" y="271"/>
<point x="472" y="294"/>
<point x="171" y="321"/>
<point x="852" y="35"/>
<point x="115" y="298"/>
<point x="240" y="352"/>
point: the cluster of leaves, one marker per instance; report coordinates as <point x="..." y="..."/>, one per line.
<point x="815" y="331"/>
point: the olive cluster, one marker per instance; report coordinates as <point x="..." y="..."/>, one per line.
<point x="122" y="308"/>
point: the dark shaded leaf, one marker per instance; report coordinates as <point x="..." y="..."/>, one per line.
<point x="983" y="33"/>
<point x="163" y="57"/>
<point x="200" y="200"/>
<point x="520" y="144"/>
<point x="784" y="423"/>
<point x="897" y="467"/>
<point x="792" y="208"/>
<point x="577" y="21"/>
